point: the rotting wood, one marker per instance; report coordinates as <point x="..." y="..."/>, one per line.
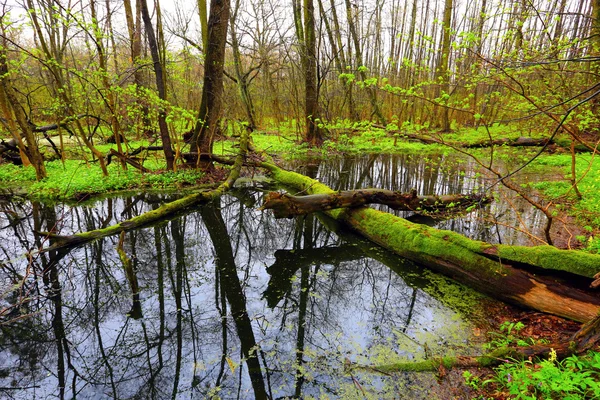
<point x="286" y="206"/>
<point x="500" y="271"/>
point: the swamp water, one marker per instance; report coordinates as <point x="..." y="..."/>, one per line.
<point x="227" y="302"/>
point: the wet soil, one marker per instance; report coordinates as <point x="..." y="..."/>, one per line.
<point x="538" y="326"/>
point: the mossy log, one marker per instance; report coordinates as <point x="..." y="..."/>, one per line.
<point x="287" y="206"/>
<point x="521" y="141"/>
<point x="586" y="338"/>
<point x="157" y="215"/>
<point x="518" y="142"/>
<point x="514" y="274"/>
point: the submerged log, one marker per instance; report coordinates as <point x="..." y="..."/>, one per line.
<point x="586" y="338"/>
<point x="287" y="206"/>
<point x="514" y="274"/>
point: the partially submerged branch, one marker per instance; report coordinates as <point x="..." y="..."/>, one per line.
<point x="287" y="206"/>
<point x="158" y="214"/>
<point x="586" y="338"/>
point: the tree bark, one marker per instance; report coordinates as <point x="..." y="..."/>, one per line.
<point x="287" y="206"/>
<point x="499" y="271"/>
<point x="305" y="31"/>
<point x="211" y="106"/>
<point x="442" y="76"/>
<point x="241" y="78"/>
<point x="359" y="61"/>
<point x="160" y="86"/>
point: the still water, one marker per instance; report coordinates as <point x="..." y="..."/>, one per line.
<point x="227" y="302"/>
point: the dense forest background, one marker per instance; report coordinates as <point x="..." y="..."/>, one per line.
<point x="129" y="68"/>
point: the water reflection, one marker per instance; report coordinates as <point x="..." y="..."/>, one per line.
<point x="508" y="220"/>
<point x="223" y="302"/>
<point x="226" y="302"/>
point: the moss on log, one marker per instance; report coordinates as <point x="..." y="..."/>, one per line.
<point x="499" y="271"/>
<point x="586" y="338"/>
<point x="157" y="215"/>
<point x="433" y="364"/>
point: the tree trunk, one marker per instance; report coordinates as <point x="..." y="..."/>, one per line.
<point x="359" y="61"/>
<point x="304" y="21"/>
<point x="160" y="86"/>
<point x="203" y="14"/>
<point x="442" y="76"/>
<point x="211" y="106"/>
<point x="496" y="270"/>
<point x="287" y="206"/>
<point x="241" y="78"/>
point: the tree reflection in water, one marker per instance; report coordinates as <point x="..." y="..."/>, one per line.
<point x="229" y="303"/>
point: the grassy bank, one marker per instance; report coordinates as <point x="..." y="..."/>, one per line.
<point x="74" y="178"/>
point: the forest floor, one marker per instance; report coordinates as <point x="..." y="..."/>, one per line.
<point x="483" y="383"/>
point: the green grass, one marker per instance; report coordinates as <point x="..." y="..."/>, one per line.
<point x="74" y="179"/>
<point x="588" y="176"/>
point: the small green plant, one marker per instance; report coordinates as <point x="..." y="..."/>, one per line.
<point x="573" y="378"/>
<point x="472" y="381"/>
<point x="508" y="336"/>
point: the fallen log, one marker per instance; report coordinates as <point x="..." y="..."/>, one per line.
<point x="153" y="216"/>
<point x="500" y="271"/>
<point x="586" y="338"/>
<point x="287" y="206"/>
<point x="518" y="142"/>
<point x="521" y="141"/>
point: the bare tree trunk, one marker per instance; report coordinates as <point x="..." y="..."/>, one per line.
<point x="160" y="86"/>
<point x="304" y="21"/>
<point x="441" y="75"/>
<point x="311" y="91"/>
<point x="202" y="13"/>
<point x="211" y="106"/>
<point x="242" y="79"/>
<point x="359" y="62"/>
<point x="110" y="99"/>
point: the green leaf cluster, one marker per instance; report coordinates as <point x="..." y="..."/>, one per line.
<point x="572" y="378"/>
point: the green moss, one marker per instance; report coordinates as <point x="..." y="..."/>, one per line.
<point x="451" y="253"/>
<point x="455" y="296"/>
<point x="549" y="257"/>
<point x="412" y="241"/>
